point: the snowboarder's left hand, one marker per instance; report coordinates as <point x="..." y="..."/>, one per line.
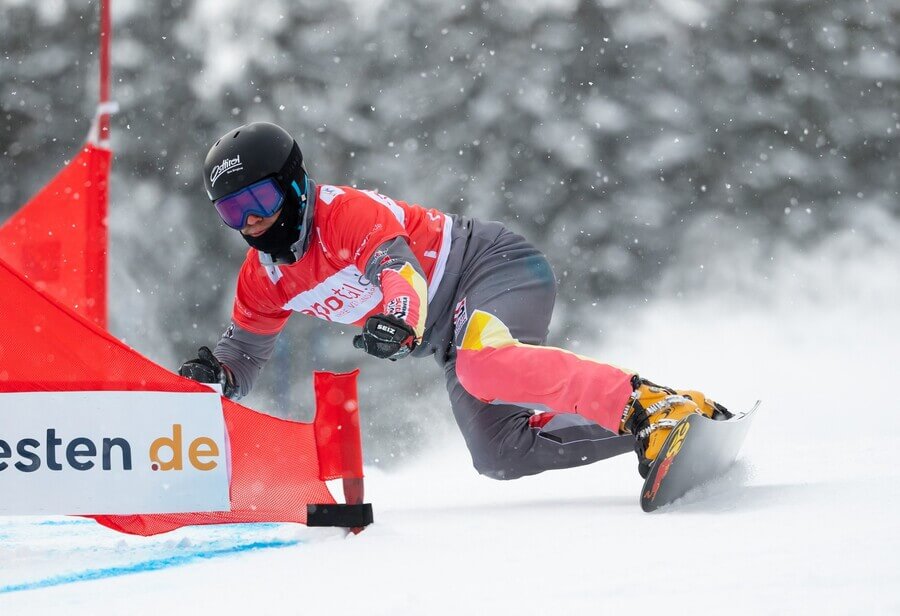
<point x="205" y="368"/>
<point x="386" y="337"/>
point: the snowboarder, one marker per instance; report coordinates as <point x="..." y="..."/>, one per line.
<point x="421" y="282"/>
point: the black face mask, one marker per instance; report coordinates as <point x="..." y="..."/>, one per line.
<point x="283" y="234"/>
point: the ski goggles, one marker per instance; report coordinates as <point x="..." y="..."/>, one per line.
<point x="261" y="199"/>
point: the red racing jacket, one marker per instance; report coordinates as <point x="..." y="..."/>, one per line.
<point x="351" y="232"/>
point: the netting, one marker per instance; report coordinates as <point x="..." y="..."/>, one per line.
<point x="275" y="464"/>
<point x="58" y="238"/>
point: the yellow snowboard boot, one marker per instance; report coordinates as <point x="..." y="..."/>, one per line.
<point x="708" y="407"/>
<point x="653" y="411"/>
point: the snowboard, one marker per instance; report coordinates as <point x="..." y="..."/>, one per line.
<point x="698" y="449"/>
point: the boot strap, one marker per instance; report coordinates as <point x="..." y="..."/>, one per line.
<point x="639" y="415"/>
<point x="659" y="425"/>
<point x="667" y="403"/>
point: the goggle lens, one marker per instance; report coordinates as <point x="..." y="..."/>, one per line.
<point x="262" y="199"/>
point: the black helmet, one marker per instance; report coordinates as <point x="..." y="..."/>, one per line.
<point x="255" y="152"/>
<point x="249" y="154"/>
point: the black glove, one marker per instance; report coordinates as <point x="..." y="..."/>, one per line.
<point x="207" y="369"/>
<point x="387" y="337"/>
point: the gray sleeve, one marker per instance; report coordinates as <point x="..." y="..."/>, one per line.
<point x="393" y="254"/>
<point x="245" y="353"/>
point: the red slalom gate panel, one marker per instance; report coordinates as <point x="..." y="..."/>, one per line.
<point x="278" y="467"/>
<point x="274" y="477"/>
<point x="58" y="240"/>
<point x="337" y="426"/>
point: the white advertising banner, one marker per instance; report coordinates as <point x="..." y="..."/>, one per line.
<point x="112" y="452"/>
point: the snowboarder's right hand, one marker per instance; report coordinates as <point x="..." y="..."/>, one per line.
<point x="207" y="369"/>
<point x="386" y="337"/>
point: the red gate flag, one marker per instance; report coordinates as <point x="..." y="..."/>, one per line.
<point x="58" y="240"/>
<point x="278" y="467"/>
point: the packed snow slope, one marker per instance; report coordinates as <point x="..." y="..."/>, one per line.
<point x="806" y="522"/>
